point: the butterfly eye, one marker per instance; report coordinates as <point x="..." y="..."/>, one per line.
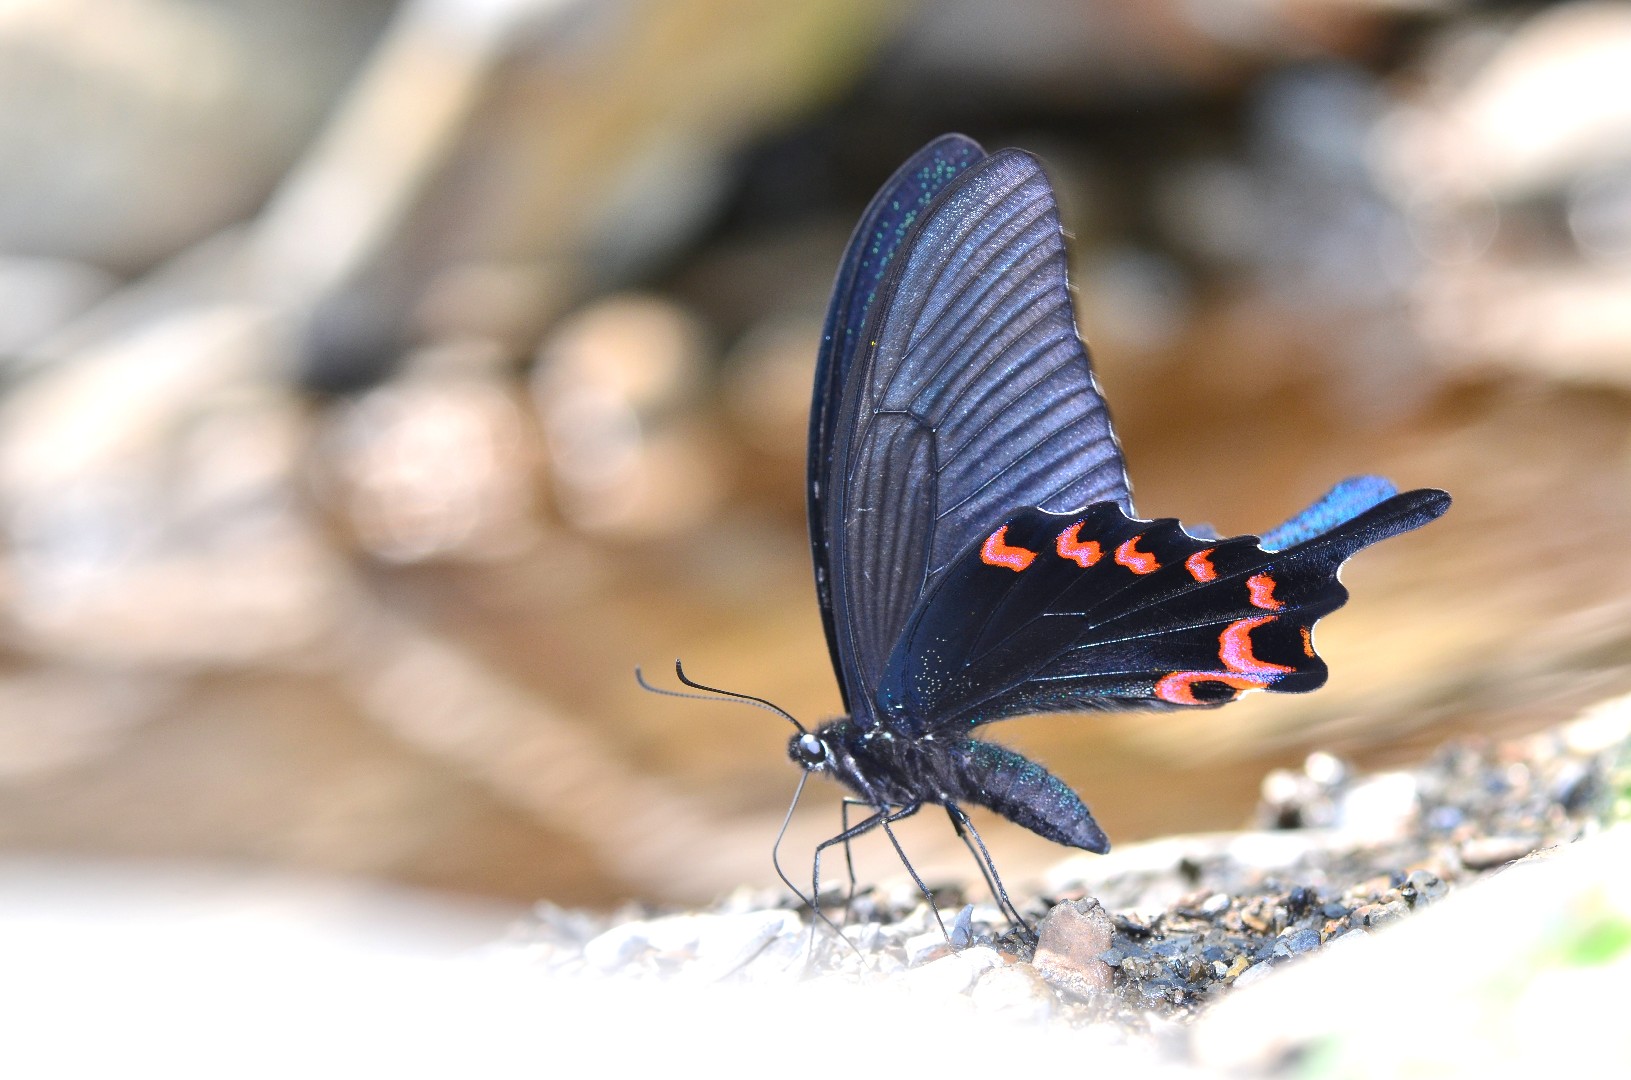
<point x="808" y="751"/>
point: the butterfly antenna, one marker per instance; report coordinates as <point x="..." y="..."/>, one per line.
<point x="679" y="671"/>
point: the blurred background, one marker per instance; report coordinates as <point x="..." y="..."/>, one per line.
<point x="380" y="383"/>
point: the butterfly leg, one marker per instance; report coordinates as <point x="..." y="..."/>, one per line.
<point x="905" y="812"/>
<point x="849" y="860"/>
<point x="880" y="816"/>
<point x="815" y="906"/>
<point x="982" y="858"/>
<point x="850" y="832"/>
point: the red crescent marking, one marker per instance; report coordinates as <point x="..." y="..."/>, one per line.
<point x="1083" y="553"/>
<point x="1179" y="687"/>
<point x="1200" y="565"/>
<point x="1308" y="641"/>
<point x="1235" y="649"/>
<point x="1139" y="562"/>
<point x="1262" y="590"/>
<point x="996" y="552"/>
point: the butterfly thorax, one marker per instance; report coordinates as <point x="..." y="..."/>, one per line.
<point x="882" y="767"/>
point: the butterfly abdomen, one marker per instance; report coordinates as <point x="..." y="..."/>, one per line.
<point x="1025" y="793"/>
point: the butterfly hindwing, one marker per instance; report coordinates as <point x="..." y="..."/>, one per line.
<point x="972" y="395"/>
<point x="1100" y="610"/>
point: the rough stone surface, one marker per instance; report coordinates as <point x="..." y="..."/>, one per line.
<point x="1155" y="937"/>
<point x="1255" y="973"/>
<point x="1486" y="852"/>
<point x="1015" y="992"/>
<point x="1070" y="939"/>
<point x="954" y="973"/>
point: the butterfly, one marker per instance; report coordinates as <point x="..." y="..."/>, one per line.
<point x="975" y="548"/>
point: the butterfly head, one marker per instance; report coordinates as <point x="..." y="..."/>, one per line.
<point x="810" y="752"/>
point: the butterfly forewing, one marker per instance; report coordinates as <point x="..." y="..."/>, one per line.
<point x="884" y="227"/>
<point x="972" y="397"/>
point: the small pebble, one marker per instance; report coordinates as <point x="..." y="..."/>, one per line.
<point x="925" y="947"/>
<point x="1428" y="886"/>
<point x="616" y="947"/>
<point x="1445" y="818"/>
<point x="1216" y="904"/>
<point x="1169" y="948"/>
<point x="1325" y="769"/>
<point x="867" y="936"/>
<point x="1260" y="915"/>
<point x="1069" y="942"/>
<point x="1375" y="915"/>
<point x="1303" y="941"/>
<point x="780" y="960"/>
<point x="1379" y="808"/>
<point x="1299" y="900"/>
<point x="1255" y="973"/>
<point x="1486" y="852"/>
<point x="1348" y="938"/>
<point x="1292" y="801"/>
<point x="1575" y="786"/>
<point x="1373" y="887"/>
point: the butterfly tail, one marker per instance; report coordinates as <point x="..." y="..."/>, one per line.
<point x="1309" y="573"/>
<point x="1357" y="519"/>
<point x="1344" y="502"/>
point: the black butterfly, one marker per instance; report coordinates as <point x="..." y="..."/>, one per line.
<point x="976" y="555"/>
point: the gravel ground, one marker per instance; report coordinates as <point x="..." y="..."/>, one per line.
<point x="1145" y="941"/>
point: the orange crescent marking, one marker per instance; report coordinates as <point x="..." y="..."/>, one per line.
<point x="1308" y="641"/>
<point x="1235" y="649"/>
<point x="1083" y="553"/>
<point x="1200" y="565"/>
<point x="1179" y="687"/>
<point x="1139" y="562"/>
<point x="996" y="552"/>
<point x="1262" y="590"/>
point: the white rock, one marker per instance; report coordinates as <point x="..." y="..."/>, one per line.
<point x="1379" y="808"/>
<point x="616" y="947"/>
<point x="952" y="974"/>
<point x="1015" y="992"/>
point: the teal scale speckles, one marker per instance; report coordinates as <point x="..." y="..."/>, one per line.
<point x="902" y="213"/>
<point x="1028" y="795"/>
